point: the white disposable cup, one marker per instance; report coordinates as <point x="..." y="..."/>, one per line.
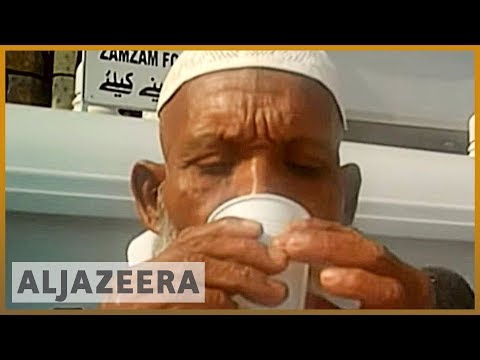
<point x="274" y="213"/>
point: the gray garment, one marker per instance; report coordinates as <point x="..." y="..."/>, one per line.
<point x="452" y="291"/>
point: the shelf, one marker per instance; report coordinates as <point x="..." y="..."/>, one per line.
<point x="74" y="163"/>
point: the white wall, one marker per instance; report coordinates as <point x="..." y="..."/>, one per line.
<point x="418" y="88"/>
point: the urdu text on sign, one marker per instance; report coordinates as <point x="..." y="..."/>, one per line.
<point x="126" y="79"/>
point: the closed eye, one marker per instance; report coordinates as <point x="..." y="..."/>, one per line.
<point x="216" y="169"/>
<point x="305" y="170"/>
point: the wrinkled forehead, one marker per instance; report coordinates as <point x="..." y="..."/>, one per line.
<point x="232" y="93"/>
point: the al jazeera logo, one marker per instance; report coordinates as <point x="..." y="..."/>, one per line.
<point x="93" y="282"/>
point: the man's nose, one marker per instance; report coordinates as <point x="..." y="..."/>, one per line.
<point x="260" y="174"/>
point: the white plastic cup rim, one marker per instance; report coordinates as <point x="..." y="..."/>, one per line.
<point x="287" y="206"/>
<point x="471" y="128"/>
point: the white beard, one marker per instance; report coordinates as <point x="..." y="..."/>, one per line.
<point x="166" y="232"/>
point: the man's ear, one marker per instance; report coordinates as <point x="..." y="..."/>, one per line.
<point x="145" y="180"/>
<point x="352" y="180"/>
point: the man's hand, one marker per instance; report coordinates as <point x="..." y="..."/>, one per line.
<point x="235" y="263"/>
<point x="352" y="266"/>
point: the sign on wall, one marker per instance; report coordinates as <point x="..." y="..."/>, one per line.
<point x="125" y="79"/>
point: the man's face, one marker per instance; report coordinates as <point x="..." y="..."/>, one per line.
<point x="247" y="131"/>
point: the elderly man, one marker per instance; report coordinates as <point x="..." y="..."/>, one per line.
<point x="237" y="122"/>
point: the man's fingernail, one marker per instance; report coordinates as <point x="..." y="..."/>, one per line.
<point x="282" y="241"/>
<point x="277" y="255"/>
<point x="278" y="242"/>
<point x="255" y="226"/>
<point x="329" y="277"/>
<point x="288" y="241"/>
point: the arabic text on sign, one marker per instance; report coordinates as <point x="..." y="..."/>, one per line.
<point x="150" y="58"/>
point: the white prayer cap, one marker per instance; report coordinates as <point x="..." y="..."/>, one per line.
<point x="191" y="64"/>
